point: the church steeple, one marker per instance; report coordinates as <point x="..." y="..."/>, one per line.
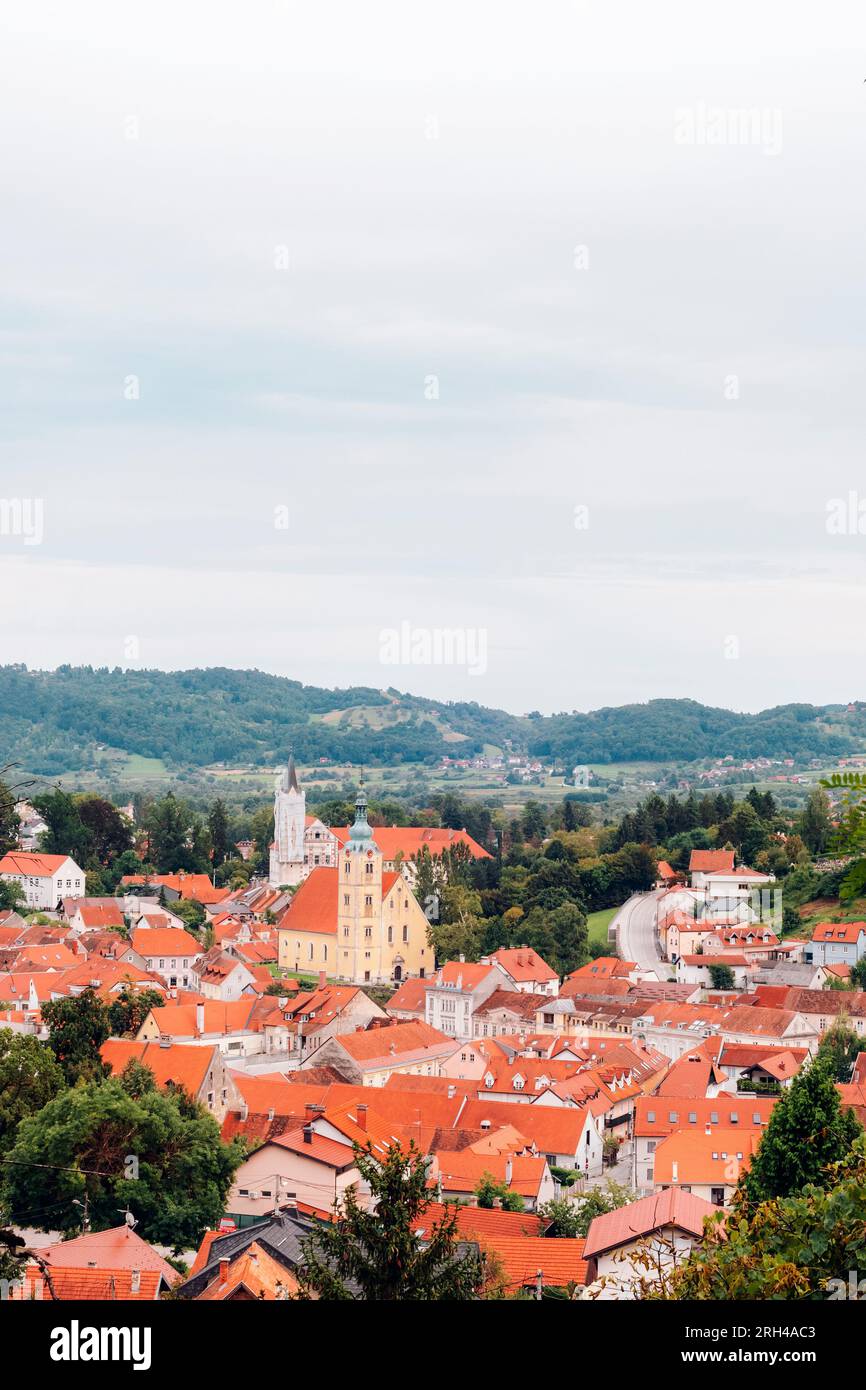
<point x="361" y="833"/>
<point x="290" y="775"/>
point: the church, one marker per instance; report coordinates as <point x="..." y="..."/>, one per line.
<point x="357" y="920"/>
<point x="301" y="842"/>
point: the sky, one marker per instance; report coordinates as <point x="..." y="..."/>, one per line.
<point x="329" y="330"/>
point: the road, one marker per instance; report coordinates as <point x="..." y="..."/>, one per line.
<point x="636" y="935"/>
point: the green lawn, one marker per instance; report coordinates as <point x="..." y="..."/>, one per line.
<point x="598" y="923"/>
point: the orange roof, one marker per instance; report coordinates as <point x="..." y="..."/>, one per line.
<point x="411" y="997"/>
<point x="95" y="1284"/>
<point x="164" y="941"/>
<point x="674" y="1113"/>
<point x="195" y="886"/>
<point x="717" y="1158"/>
<point x="710" y="861"/>
<point x="410" y="840"/>
<point x="185" y="1066"/>
<point x="848" y="932"/>
<point x="524" y="965"/>
<point x="181" y="1020"/>
<point x="397" y="1040"/>
<point x="32" y="865"/>
<point x="461" y="1170"/>
<point x="664" y="870"/>
<point x="481" y="1221"/>
<point x="554" y="1129"/>
<point x="603" y="968"/>
<point x="461" y="974"/>
<point x="314" y="905"/>
<point x="254" y="1271"/>
<point x="101" y="915"/>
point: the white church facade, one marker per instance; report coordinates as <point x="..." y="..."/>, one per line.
<point x="301" y="843"/>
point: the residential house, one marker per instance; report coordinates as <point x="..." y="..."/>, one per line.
<point x="45" y="879"/>
<point x="457" y="990"/>
<point x="168" y="952"/>
<point x="526" y="971"/>
<point x="199" y="1070"/>
<point x="838" y="943"/>
<point x="370" y="1056"/>
<point x="104" y="1266"/>
<point x="638" y="1243"/>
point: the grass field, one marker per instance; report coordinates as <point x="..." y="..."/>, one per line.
<point x="598" y="923"/>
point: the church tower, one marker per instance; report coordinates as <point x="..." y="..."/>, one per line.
<point x="287" y="852"/>
<point x="359" y="902"/>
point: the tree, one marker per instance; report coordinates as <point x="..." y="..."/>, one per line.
<point x="109" y="833"/>
<point x="808" y="1131"/>
<point x="218" y="827"/>
<point x="840" y="1047"/>
<point x="721" y="977"/>
<point x="575" y="1218"/>
<point x="176" y="837"/>
<point x="799" y="1247"/>
<point x="66" y="834"/>
<point x="29" y="1079"/>
<point x="190" y="912"/>
<point x="377" y="1254"/>
<point x="77" y="1027"/>
<point x="121" y="1143"/>
<point x="491" y="1193"/>
<point x="128" y="1010"/>
<point x="858" y="974"/>
<point x="815" y="827"/>
<point x="9" y="820"/>
<point x="11" y="896"/>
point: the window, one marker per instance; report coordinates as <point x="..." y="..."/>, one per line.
<point x="346" y="899"/>
<point x="368" y="868"/>
<point x="390" y="935"/>
<point x="673" y="1117"/>
<point x="347" y="867"/>
<point x="405" y="933"/>
<point x="693" y="1117"/>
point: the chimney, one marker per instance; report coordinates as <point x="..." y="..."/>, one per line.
<point x="675" y="1173"/>
<point x="271" y="1113"/>
<point x="323" y="979"/>
<point x="308" y="1134"/>
<point x="452" y="1091"/>
<point x="462" y="958"/>
<point x="485" y="1124"/>
<point x="245" y="1110"/>
<point x="509" y="1172"/>
<point x="708" y="1131"/>
<point x="199" y="1018"/>
<point x="362" y="1117"/>
<point x="224" y="1271"/>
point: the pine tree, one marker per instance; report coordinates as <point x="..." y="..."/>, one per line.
<point x="376" y="1254"/>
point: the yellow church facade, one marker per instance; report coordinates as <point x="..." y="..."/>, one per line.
<point x="356" y="922"/>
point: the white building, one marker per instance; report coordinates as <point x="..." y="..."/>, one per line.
<point x="301" y="842"/>
<point x="44" y="878"/>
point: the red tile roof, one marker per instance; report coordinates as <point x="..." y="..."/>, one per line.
<point x="524" y="966"/>
<point x="412" y="839"/>
<point x="185" y="1066"/>
<point x="708" y="861"/>
<point x="839" y="931"/>
<point x="164" y="941"/>
<point x="673" y="1207"/>
<point x="33" y="865"/>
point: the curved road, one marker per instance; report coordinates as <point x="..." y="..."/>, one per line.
<point x="636" y="935"/>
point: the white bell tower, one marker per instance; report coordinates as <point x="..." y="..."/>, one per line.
<point x="290" y="810"/>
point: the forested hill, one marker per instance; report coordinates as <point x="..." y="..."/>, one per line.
<point x="53" y="721"/>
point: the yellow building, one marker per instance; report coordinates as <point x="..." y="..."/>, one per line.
<point x="357" y="921"/>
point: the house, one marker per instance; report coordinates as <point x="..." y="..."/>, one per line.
<point x="100" y="1265"/>
<point x="313" y="1163"/>
<point x="662" y="1228"/>
<point x="526" y="971"/>
<point x="507" y="1011"/>
<point x="457" y="990"/>
<point x="569" y="1137"/>
<point x="199" y="1070"/>
<point x="409" y="1001"/>
<point x="234" y="1027"/>
<point x="369" y="1057"/>
<point x="93" y="914"/>
<point x="297" y="1026"/>
<point x="357" y="921"/>
<point x="709" y="861"/>
<point x="168" y="952"/>
<point x="708" y="1163"/>
<point x="697" y="970"/>
<point x="217" y="975"/>
<point x="190" y="887"/>
<point x="837" y="943"/>
<point x="658" y="1117"/>
<point x="514" y="1244"/>
<point x="45" y="879"/>
<point x="258" y="1261"/>
<point x="456" y="1174"/>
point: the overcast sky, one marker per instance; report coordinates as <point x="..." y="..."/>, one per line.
<point x="541" y="324"/>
